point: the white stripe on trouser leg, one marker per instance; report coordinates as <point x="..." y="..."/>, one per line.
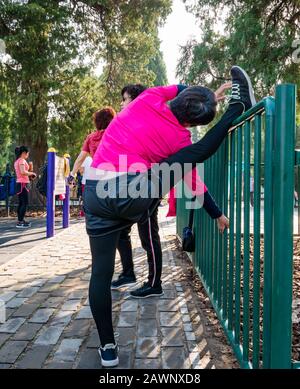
<point x="153" y="254"/>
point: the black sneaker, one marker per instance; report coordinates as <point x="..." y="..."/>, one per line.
<point x="27" y="224"/>
<point x="109" y="355"/>
<point x="122" y="281"/>
<point x="242" y="91"/>
<point x="21" y="225"/>
<point x="147" y="291"/>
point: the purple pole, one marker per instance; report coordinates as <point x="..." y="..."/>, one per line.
<point x="50" y="192"/>
<point x="66" y="202"/>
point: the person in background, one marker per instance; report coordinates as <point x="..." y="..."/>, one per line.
<point x="252" y="191"/>
<point x="102" y="118"/>
<point x="24" y="173"/>
<point x="84" y="170"/>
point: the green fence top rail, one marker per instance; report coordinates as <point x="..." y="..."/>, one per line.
<point x="266" y="104"/>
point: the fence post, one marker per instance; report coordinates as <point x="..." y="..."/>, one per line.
<point x="7" y="184"/>
<point x="50" y="192"/>
<point x="66" y="201"/>
<point x="283" y="190"/>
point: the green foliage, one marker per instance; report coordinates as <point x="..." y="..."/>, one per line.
<point x="258" y="35"/>
<point x="53" y="45"/>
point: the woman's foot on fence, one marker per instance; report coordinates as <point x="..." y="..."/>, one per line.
<point x="242" y="90"/>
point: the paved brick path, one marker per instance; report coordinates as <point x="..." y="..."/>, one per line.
<point x="49" y="323"/>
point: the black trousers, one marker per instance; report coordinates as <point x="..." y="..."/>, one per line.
<point x="150" y="239"/>
<point x="23" y="201"/>
<point x="105" y="218"/>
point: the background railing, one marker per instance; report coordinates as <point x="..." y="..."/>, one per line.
<point x="247" y="272"/>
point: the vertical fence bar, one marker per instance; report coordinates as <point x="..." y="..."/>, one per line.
<point x="256" y="256"/>
<point x="283" y="191"/>
<point x="238" y="237"/>
<point x="221" y="189"/>
<point x="246" y="267"/>
<point x="66" y="201"/>
<point x="268" y="220"/>
<point x="225" y="240"/>
<point x="231" y="236"/>
<point x="50" y="192"/>
<point x="215" y="229"/>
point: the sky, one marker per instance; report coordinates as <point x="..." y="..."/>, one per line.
<point x="180" y="26"/>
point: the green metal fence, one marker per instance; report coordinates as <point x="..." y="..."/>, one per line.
<point x="247" y="272"/>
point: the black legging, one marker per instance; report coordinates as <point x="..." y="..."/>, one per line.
<point x="23" y="202"/>
<point x="149" y="236"/>
<point x="103" y="247"/>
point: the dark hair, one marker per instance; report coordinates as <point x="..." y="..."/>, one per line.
<point x="134" y="90"/>
<point x="19" y="150"/>
<point x="103" y="117"/>
<point x="195" y="105"/>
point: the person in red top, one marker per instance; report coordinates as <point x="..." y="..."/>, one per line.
<point x="102" y="118"/>
<point x="23" y="172"/>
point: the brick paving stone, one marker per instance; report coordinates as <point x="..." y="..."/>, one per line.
<point x="187" y="327"/>
<point x="3" y="338"/>
<point x="57" y="280"/>
<point x="84" y="313"/>
<point x="16" y="302"/>
<point x="147" y="328"/>
<point x="129" y="306"/>
<point x="93" y="340"/>
<point x="126" y="336"/>
<point x="127" y="319"/>
<point x="167" y="306"/>
<point x="170" y="319"/>
<point x="78" y="294"/>
<point x="38" y="282"/>
<point x="148" y="311"/>
<point x="53" y="302"/>
<point x="49" y="336"/>
<point x="11" y="325"/>
<point x="28" y="331"/>
<point x="34" y="358"/>
<point x="26" y="310"/>
<point x="7" y="296"/>
<point x="49" y="287"/>
<point x="42" y="315"/>
<point x="77" y="328"/>
<point x="125" y="357"/>
<point x="62" y="318"/>
<point x="28" y="292"/>
<point x="190" y="336"/>
<point x="38" y="298"/>
<point x="59" y="365"/>
<point x="147" y="363"/>
<point x="5" y="365"/>
<point x="174" y="358"/>
<point x="60" y="291"/>
<point x="67" y="350"/>
<point x="71" y="305"/>
<point x="172" y="336"/>
<point x="168" y="294"/>
<point x="89" y="359"/>
<point x="147" y="348"/>
<point x="11" y="351"/>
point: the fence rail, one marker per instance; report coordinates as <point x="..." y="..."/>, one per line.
<point x="247" y="272"/>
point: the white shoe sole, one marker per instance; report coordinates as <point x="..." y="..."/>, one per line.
<point x="149" y="295"/>
<point x="112" y="363"/>
<point x="252" y="97"/>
